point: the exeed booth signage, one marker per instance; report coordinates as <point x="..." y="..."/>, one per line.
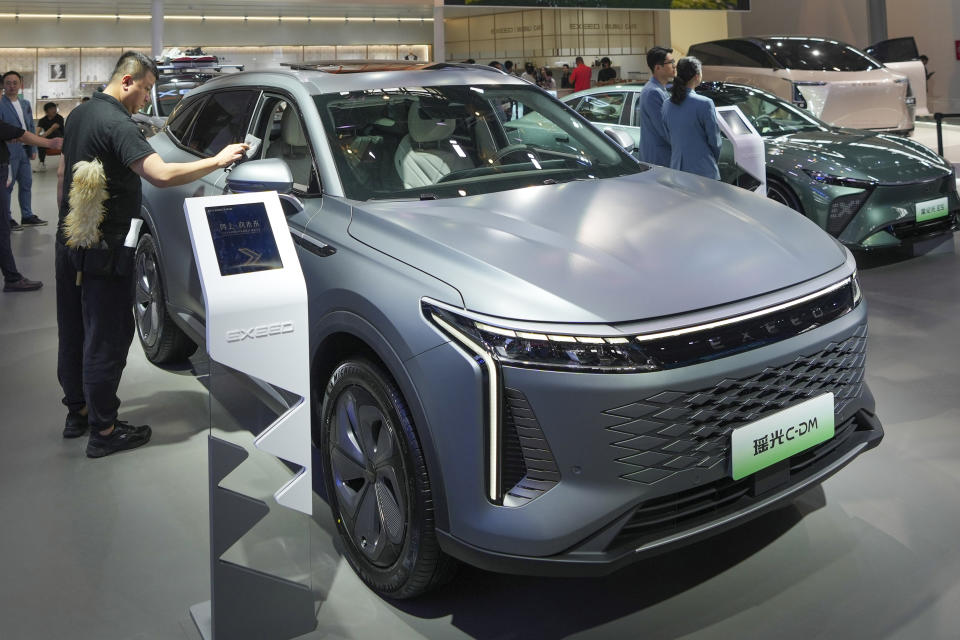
<point x="777" y="437"/>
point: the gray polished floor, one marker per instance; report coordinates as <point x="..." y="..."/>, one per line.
<point x="117" y="548"/>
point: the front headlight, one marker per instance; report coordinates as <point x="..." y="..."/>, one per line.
<point x="547" y="351"/>
<point x="840" y="181"/>
<point x="857" y="293"/>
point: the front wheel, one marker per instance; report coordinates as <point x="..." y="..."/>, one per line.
<point x="163" y="341"/>
<point x="780" y="192"/>
<point x="377" y="483"/>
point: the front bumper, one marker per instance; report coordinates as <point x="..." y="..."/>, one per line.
<point x="659" y="526"/>
<point x="888" y="216"/>
<point x="606" y="465"/>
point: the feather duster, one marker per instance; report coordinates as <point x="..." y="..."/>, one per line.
<point x="88" y="193"/>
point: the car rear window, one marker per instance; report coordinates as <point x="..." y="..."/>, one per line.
<point x="811" y="54"/>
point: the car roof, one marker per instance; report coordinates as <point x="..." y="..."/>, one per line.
<point x="359" y="75"/>
<point x="762" y="39"/>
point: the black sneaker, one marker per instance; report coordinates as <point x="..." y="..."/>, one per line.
<point x="15" y="226"/>
<point x="75" y="425"/>
<point x="22" y="285"/>
<point x="124" y="436"/>
<point x="33" y="221"/>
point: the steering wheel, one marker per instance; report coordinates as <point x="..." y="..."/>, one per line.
<point x="511" y="149"/>
<point x="766" y="123"/>
<point x="456" y="175"/>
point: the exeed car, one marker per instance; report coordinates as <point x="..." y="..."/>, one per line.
<point x="868" y="189"/>
<point x="529" y="351"/>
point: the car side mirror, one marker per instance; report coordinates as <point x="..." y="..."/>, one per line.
<point x="271" y="174"/>
<point x="625" y="140"/>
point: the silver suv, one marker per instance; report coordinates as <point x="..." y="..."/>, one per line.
<point x="529" y="351"/>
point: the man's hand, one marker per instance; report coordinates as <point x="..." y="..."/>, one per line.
<point x="230" y="154"/>
<point x="56" y="143"/>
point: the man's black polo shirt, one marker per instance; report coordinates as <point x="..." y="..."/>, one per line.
<point x="102" y="128"/>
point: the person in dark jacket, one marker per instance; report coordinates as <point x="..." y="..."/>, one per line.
<point x="691" y="123"/>
<point x="13" y="280"/>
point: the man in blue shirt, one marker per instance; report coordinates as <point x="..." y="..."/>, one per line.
<point x="16" y="111"/>
<point x="654" y="141"/>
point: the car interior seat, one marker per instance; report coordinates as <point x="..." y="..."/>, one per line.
<point x="422" y="158"/>
<point x="292" y="148"/>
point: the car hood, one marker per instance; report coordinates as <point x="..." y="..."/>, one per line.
<point x="854" y="153"/>
<point x="637" y="247"/>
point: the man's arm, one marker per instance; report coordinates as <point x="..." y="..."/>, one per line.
<point x="34" y="139"/>
<point x="159" y="173"/>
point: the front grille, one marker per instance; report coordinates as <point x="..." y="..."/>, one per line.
<point x="661" y="516"/>
<point x="684" y="436"/>
<point x="528" y="468"/>
<point x="913" y="229"/>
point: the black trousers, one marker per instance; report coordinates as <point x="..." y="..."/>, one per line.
<point x="95" y="325"/>
<point x="7" y="264"/>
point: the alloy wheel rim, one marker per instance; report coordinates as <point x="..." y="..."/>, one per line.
<point x="368" y="476"/>
<point x="147" y="299"/>
<point x="776" y="195"/>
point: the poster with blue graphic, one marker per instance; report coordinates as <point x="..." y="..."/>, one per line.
<point x="242" y="238"/>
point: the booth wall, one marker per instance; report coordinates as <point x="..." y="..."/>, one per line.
<point x="845" y="20"/>
<point x="936" y="26"/>
<point x="690" y="27"/>
<point x="137" y="33"/>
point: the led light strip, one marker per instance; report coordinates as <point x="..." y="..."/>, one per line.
<point x="141" y="16"/>
<point x="510" y="333"/>
<point x="746" y="316"/>
<point x="493" y="399"/>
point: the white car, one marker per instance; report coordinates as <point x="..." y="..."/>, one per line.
<point x="835" y="82"/>
<point x="900" y="55"/>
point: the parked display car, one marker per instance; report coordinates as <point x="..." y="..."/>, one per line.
<point x="834" y="81"/>
<point x="901" y="56"/>
<point x="529" y="352"/>
<point x="868" y="189"/>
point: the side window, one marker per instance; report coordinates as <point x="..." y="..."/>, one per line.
<point x="602" y="107"/>
<point x="747" y="54"/>
<point x="282" y="136"/>
<point x="179" y="124"/>
<point x="731" y="53"/>
<point x="222" y="121"/>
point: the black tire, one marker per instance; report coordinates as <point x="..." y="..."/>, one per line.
<point x="162" y="340"/>
<point x="377" y="483"/>
<point x="778" y="191"/>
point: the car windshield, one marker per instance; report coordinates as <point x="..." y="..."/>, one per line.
<point x="814" y="54"/>
<point x="451" y="141"/>
<point x="769" y="115"/>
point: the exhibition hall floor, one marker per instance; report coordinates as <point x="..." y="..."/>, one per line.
<point x="117" y="548"/>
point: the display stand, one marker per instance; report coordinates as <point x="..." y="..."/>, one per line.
<point x="748" y="150"/>
<point x="256" y="326"/>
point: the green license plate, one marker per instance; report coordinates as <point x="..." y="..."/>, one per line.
<point x="769" y="440"/>
<point x="932" y="209"/>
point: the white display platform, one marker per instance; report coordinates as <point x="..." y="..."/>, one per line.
<point x="748" y="149"/>
<point x="256" y="314"/>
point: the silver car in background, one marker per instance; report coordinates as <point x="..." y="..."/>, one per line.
<point x="529" y="351"/>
